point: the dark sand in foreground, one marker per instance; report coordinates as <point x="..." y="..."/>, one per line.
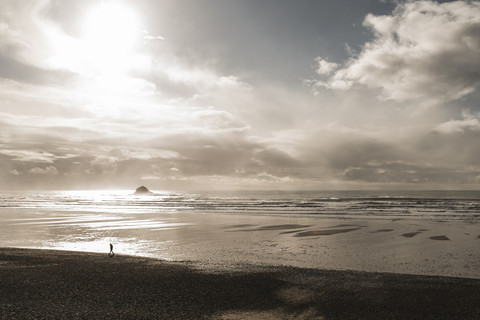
<point x="40" y="284"/>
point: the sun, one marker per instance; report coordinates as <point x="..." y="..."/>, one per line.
<point x="111" y="31"/>
<point x="111" y="26"/>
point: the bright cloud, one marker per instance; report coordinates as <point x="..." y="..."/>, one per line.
<point x="424" y="51"/>
<point x="469" y="122"/>
<point x="46" y="171"/>
<point x="325" y="67"/>
<point x="29" y="156"/>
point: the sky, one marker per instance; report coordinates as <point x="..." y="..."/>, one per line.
<point x="224" y="94"/>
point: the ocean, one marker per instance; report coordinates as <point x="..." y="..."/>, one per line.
<point x="374" y="204"/>
<point x="392" y="231"/>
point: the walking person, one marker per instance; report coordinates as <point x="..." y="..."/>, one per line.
<point x="111" y="253"/>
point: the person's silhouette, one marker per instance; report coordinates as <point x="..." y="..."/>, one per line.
<point x="111" y="253"/>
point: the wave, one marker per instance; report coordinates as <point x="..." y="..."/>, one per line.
<point x="379" y="204"/>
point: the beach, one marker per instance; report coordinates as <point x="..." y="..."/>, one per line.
<point x="315" y="255"/>
<point x="51" y="284"/>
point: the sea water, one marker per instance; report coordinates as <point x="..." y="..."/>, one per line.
<point x="428" y="232"/>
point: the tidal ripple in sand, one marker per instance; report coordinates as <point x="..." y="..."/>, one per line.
<point x="324" y="232"/>
<point x="278" y="227"/>
<point x="441" y="238"/>
<point x="240" y="226"/>
<point x="381" y="230"/>
<point x="410" y="234"/>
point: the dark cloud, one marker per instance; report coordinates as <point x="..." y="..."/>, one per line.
<point x="405" y="173"/>
<point x="456" y="148"/>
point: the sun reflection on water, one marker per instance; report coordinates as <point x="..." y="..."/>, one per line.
<point x="90" y="220"/>
<point x="121" y="246"/>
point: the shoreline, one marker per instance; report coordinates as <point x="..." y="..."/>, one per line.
<point x="227" y="266"/>
<point x="70" y="284"/>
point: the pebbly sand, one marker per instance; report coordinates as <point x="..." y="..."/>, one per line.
<point x="43" y="284"/>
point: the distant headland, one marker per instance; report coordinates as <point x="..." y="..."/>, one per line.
<point x="143" y="190"/>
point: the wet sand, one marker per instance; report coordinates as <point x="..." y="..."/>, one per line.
<point x="42" y="284"/>
<point x="405" y="246"/>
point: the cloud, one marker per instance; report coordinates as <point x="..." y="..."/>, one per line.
<point x="29" y="156"/>
<point x="51" y="170"/>
<point x="232" y="82"/>
<point x="215" y="119"/>
<point x="324" y="67"/>
<point x="10" y="39"/>
<point x="424" y="51"/>
<point x="197" y="78"/>
<point x="147" y="37"/>
<point x="422" y="157"/>
<point x="469" y="122"/>
<point x="455" y="146"/>
<point x="25" y="34"/>
<point x="398" y="172"/>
